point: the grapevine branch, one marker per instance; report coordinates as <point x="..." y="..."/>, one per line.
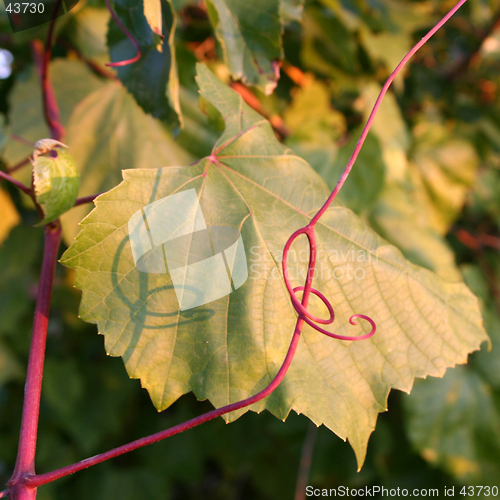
<point x="18" y="165"/>
<point x="24" y="481"/>
<point x="18" y="184"/>
<point x="25" y="463"/>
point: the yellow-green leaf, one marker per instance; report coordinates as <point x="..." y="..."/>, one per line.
<point x="55" y="178"/>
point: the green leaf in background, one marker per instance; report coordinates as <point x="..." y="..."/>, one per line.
<point x="152" y="80"/>
<point x="72" y="81"/>
<point x="55" y="178"/>
<point x="328" y="46"/>
<point x="10" y="368"/>
<point x="366" y="179"/>
<point x="399" y="217"/>
<point x="446" y="166"/>
<point x="250" y="36"/>
<point x="17" y="255"/>
<point x="427" y="175"/>
<point x="291" y="10"/>
<point x="107" y="133"/>
<point x="231" y="348"/>
<point x="453" y="422"/>
<point x="89" y="34"/>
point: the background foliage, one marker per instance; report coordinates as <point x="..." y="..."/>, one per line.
<point x="428" y="181"/>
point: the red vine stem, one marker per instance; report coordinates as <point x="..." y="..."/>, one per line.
<point x="18" y="165"/>
<point x="86" y="199"/>
<point x="20" y="185"/>
<point x="130" y="37"/>
<point x="25" y="481"/>
<point x="25" y="463"/>
<point x="42" y="59"/>
<point x="40" y="479"/>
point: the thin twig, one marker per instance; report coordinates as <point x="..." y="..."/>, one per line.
<point x="22" y="140"/>
<point x="306" y="461"/>
<point x="97" y="68"/>
<point x="276" y="121"/>
<point x="20" y="185"/>
<point x="86" y="199"/>
<point x="19" y="165"/>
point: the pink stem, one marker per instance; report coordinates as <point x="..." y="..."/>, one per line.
<point x="130" y="37"/>
<point x="86" y="199"/>
<point x="19" y="165"/>
<point x="25" y="463"/>
<point x="42" y="60"/>
<point x="20" y="185"/>
<point x="38" y="480"/>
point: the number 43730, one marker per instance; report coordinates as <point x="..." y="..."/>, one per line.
<point x="25" y="7"/>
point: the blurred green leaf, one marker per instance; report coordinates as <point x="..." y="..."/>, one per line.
<point x="400" y="218"/>
<point x="72" y="81"/>
<point x="366" y="179"/>
<point x="291" y="10"/>
<point x="10" y="367"/>
<point x="447" y="168"/>
<point x="3" y="132"/>
<point x="89" y="34"/>
<point x="250" y="36"/>
<point x="454" y="422"/>
<point x="17" y="254"/>
<point x="224" y="353"/>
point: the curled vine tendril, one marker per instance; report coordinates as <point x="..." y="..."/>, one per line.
<point x="301" y="307"/>
<point x="126" y="62"/>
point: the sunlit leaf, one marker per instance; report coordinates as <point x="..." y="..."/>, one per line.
<point x="55" y="178"/>
<point x="230" y="348"/>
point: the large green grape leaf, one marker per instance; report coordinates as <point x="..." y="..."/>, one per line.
<point x="230" y="348"/>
